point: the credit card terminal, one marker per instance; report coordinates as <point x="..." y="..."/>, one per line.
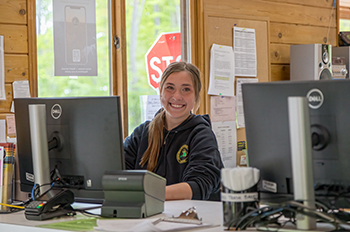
<point x="52" y="203"/>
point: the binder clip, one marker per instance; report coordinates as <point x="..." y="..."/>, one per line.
<point x="189" y="216"/>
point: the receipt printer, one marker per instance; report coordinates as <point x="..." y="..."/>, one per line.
<point x="132" y="194"/>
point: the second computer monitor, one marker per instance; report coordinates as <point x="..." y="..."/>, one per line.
<point x="90" y="142"/>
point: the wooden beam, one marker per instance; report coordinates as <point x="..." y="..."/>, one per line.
<point x="32" y="48"/>
<point x="197" y="47"/>
<point x="119" y="61"/>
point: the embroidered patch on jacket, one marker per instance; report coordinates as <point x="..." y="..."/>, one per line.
<point x="182" y="154"/>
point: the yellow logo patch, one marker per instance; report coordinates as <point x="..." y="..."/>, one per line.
<point x="182" y="154"/>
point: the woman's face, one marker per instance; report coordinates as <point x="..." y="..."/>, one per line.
<point x="178" y="98"/>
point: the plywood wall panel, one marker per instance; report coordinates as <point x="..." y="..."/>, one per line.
<point x="280" y="72"/>
<point x="344" y="12"/>
<point x="316" y="3"/>
<point x="279" y="54"/>
<point x="15" y="38"/>
<point x="16" y="67"/>
<point x="13" y="11"/>
<point x="5" y="105"/>
<point x="276" y="11"/>
<point x="301" y="34"/>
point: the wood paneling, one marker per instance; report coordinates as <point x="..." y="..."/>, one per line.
<point x="280" y="72"/>
<point x="344" y="12"/>
<point x="13" y="11"/>
<point x="16" y="67"/>
<point x="345" y="3"/>
<point x="276" y="11"/>
<point x="301" y="34"/>
<point x="218" y="29"/>
<point x="317" y="3"/>
<point x="279" y="54"/>
<point x="5" y="105"/>
<point x="15" y="38"/>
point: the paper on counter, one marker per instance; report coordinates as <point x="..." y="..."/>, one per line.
<point x="144" y="225"/>
<point x="245" y="52"/>
<point x="21" y="89"/>
<point x="222" y="108"/>
<point x="221" y="79"/>
<point x="239" y="99"/>
<point x="226" y="135"/>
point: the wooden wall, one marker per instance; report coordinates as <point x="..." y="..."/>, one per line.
<point x="289" y="22"/>
<point x="14" y="28"/>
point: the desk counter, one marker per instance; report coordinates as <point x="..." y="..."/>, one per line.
<point x="210" y="212"/>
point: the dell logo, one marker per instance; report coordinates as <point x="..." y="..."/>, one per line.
<point x="56" y="111"/>
<point x="315" y="98"/>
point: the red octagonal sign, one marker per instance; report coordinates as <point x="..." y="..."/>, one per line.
<point x="165" y="50"/>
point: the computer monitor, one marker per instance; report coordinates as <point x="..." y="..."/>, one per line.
<point x="267" y="132"/>
<point x="90" y="142"/>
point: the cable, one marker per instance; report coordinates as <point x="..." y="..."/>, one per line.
<point x="269" y="215"/>
<point x="13" y="206"/>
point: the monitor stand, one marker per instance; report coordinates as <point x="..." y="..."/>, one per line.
<point x="40" y="151"/>
<point x="302" y="168"/>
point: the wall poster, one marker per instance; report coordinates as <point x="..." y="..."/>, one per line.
<point x="74" y="25"/>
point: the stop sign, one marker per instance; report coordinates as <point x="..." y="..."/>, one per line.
<point x="165" y="50"/>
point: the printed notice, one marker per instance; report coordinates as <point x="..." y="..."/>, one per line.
<point x="21" y="89"/>
<point x="11" y="125"/>
<point x="245" y="52"/>
<point x="222" y="108"/>
<point x="221" y="80"/>
<point x="239" y="99"/>
<point x="226" y="135"/>
<point x="74" y="27"/>
<point x="150" y="104"/>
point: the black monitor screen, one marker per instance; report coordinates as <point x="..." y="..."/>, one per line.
<point x="267" y="131"/>
<point x="85" y="140"/>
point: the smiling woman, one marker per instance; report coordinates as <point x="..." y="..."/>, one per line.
<point x="178" y="98"/>
<point x="177" y="144"/>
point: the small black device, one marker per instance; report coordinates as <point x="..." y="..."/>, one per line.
<point x="53" y="203"/>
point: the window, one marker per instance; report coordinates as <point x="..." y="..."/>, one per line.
<point x="145" y="21"/>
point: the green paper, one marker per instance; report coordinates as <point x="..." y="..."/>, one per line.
<point x="74" y="225"/>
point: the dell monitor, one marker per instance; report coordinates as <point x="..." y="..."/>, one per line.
<point x="84" y="138"/>
<point x="268" y="140"/>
